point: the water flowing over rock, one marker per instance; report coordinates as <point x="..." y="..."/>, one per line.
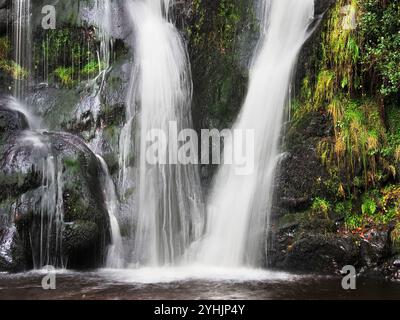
<point x="168" y="215"/>
<point x="54" y="211"/>
<point x="239" y="205"/>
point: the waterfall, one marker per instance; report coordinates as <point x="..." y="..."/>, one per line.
<point x="115" y="251"/>
<point x="168" y="214"/>
<point x="22" y="42"/>
<point x="239" y="206"/>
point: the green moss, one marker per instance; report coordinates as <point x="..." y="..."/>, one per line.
<point x="216" y="34"/>
<point x="5" y="48"/>
<point x="321" y="207"/>
<point x="72" y="164"/>
<point x="74" y="207"/>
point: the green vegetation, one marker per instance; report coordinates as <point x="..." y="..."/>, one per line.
<point x="67" y="55"/>
<point x="215" y="35"/>
<point x="357" y="86"/>
<point x="380" y="28"/>
<point x="321" y="207"/>
<point x="91" y="68"/>
<point x="7" y="65"/>
<point x="65" y="75"/>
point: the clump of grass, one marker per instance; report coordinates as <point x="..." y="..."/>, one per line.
<point x="321" y="207"/>
<point x="65" y="75"/>
<point x="359" y="135"/>
<point x="324" y="89"/>
<point x="91" y="68"/>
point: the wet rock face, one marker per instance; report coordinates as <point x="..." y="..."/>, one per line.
<point x="12" y="255"/>
<point x="321" y="253"/>
<point x="322" y="5"/>
<point x="301" y="173"/>
<point x="4" y="14"/>
<point x="302" y="243"/>
<point x="375" y="248"/>
<point x="10" y="121"/>
<point x="4" y="3"/>
<point x="26" y="178"/>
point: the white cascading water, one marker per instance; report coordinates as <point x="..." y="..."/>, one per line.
<point x="48" y="205"/>
<point x="22" y="42"/>
<point x="239" y="206"/>
<point x="115" y="255"/>
<point x="169" y="214"/>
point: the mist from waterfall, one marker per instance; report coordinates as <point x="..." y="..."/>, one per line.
<point x="167" y="212"/>
<point x="239" y="205"/>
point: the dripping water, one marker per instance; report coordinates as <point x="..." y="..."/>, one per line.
<point x="22" y="37"/>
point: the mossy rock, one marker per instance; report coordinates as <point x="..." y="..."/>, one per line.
<point x="79" y="235"/>
<point x="85" y="218"/>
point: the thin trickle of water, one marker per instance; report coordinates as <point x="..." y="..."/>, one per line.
<point x="103" y="16"/>
<point x="168" y="215"/>
<point x="115" y="255"/>
<point x="22" y="43"/>
<point x="239" y="206"/>
<point x="51" y="215"/>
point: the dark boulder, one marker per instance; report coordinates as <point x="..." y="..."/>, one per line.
<point x="326" y="254"/>
<point x="10" y="120"/>
<point x="375" y="248"/>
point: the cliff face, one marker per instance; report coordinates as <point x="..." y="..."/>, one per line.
<point x="337" y="189"/>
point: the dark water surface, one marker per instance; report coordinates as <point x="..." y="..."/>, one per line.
<point x="131" y="285"/>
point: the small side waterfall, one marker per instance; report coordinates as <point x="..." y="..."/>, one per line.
<point x="115" y="256"/>
<point x="47" y="206"/>
<point x="168" y="215"/>
<point x="239" y="206"/>
<point x="22" y="34"/>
